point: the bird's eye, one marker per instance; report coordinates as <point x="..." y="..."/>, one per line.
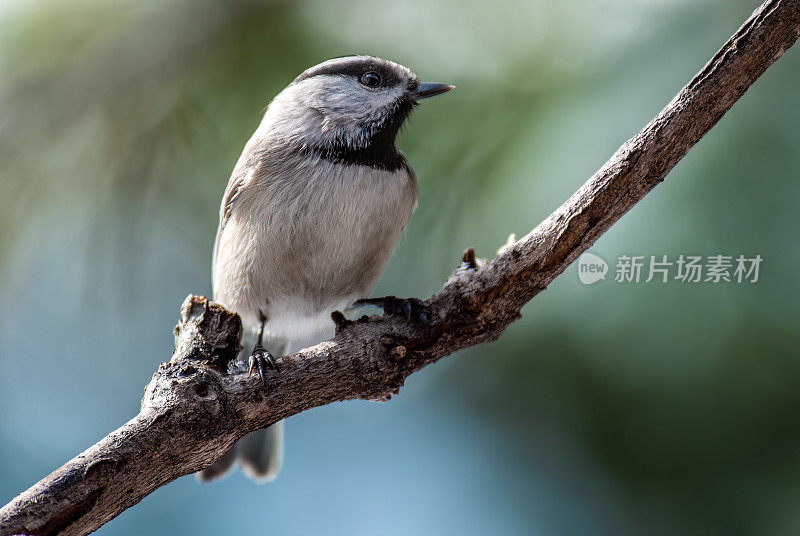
<point x="371" y="79"/>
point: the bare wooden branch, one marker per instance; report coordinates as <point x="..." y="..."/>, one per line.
<point x="193" y="410"/>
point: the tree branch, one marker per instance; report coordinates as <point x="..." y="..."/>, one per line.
<point x="193" y="410"/>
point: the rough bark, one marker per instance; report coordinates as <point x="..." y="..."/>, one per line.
<point x="193" y="410"/>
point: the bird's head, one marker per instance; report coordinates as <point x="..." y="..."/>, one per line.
<point x="353" y="103"/>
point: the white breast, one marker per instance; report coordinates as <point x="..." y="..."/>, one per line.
<point x="306" y="237"/>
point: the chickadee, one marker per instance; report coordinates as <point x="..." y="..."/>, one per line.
<point x="311" y="214"/>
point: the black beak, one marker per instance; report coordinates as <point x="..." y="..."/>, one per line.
<point x="423" y="91"/>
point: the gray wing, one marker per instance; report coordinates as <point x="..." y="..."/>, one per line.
<point x="232" y="191"/>
<point x="235" y="185"/>
<point x="247" y="169"/>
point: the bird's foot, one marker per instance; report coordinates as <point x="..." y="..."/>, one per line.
<point x="410" y="308"/>
<point x="259" y="360"/>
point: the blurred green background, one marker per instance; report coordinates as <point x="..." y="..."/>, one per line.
<point x="607" y="409"/>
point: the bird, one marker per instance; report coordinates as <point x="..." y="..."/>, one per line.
<point x="310" y="216"/>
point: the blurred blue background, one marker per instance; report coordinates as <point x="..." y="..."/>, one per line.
<point x="607" y="409"/>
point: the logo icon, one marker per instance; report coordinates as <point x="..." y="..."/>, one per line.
<point x="591" y="268"/>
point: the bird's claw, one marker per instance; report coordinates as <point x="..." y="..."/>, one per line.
<point x="259" y="360"/>
<point x="410" y="308"/>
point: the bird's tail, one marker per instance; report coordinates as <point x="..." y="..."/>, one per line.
<point x="259" y="453"/>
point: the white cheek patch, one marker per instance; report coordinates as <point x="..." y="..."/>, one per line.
<point x="329" y="108"/>
<point x="344" y="104"/>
